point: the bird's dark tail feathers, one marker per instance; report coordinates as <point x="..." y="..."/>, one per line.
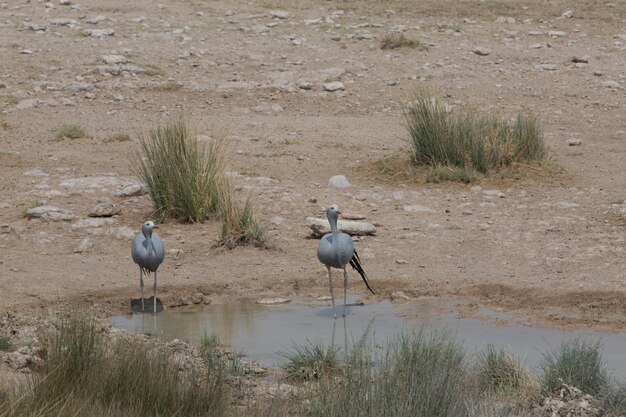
<point x="356" y="264"/>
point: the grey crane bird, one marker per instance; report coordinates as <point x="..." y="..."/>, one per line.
<point x="147" y="252"/>
<point x="336" y="250"/>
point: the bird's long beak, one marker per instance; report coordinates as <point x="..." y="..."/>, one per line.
<point x="338" y="211"/>
<point x="156" y="226"/>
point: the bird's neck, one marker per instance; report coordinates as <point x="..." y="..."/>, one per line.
<point x="333" y="229"/>
<point x="149" y="245"/>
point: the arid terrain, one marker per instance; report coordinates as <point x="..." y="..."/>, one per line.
<point x="549" y="244"/>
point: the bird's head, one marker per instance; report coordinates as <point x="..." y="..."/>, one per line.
<point x="148" y="226"/>
<point x="333" y="211"/>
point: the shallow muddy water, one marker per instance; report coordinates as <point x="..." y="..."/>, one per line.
<point x="261" y="332"/>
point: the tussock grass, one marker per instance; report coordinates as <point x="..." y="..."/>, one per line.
<point x="118" y="137"/>
<point x="71" y="131"/>
<point x="469" y="139"/>
<point x="87" y="374"/>
<point x="184" y="176"/>
<point x="239" y="225"/>
<point x="398" y="40"/>
<point x="421" y="375"/>
<point x="500" y="373"/>
<point x="575" y="363"/>
<point x="5" y="344"/>
<point x="310" y="361"/>
<point x="187" y="181"/>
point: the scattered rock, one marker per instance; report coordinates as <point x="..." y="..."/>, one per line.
<point x="304" y="85"/>
<point x="99" y="33"/>
<point x="96" y="20"/>
<point x="338" y="181"/>
<point x="399" y="296"/>
<point x="85" y="245"/>
<point x="556" y="33"/>
<point x="334" y="86"/>
<point x="279" y="14"/>
<point x="482" y="51"/>
<point x="567" y="15"/>
<point x="78" y="86"/>
<point x="27" y="104"/>
<point x="92" y="223"/>
<point x="104" y="210"/>
<point x="547" y="67"/>
<point x="113" y="59"/>
<point x="197" y="297"/>
<point x="580" y="59"/>
<point x="273" y="301"/>
<point x="574" y="142"/>
<point x="416" y="208"/>
<point x="49" y="213"/>
<point x="320" y="227"/>
<point x="610" y="84"/>
<point x="494" y="193"/>
<point x="176" y="253"/>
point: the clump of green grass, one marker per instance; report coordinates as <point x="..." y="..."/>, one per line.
<point x="185" y="177"/>
<point x="310" y="361"/>
<point x="239" y="225"/>
<point x="421" y="375"/>
<point x="187" y="181"/>
<point x="154" y="70"/>
<point x="71" y="131"/>
<point x="87" y="374"/>
<point x="398" y="40"/>
<point x="501" y="373"/>
<point x="470" y="139"/>
<point x="118" y="137"/>
<point x="575" y="363"/>
<point x="5" y="344"/>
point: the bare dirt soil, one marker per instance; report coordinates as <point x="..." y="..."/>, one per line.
<point x="550" y="245"/>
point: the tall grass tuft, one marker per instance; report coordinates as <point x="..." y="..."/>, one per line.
<point x="184" y="177"/>
<point x="500" y="373"/>
<point x="468" y="138"/>
<point x="310" y="361"/>
<point x="86" y="374"/>
<point x="71" y="131"/>
<point x="240" y="227"/>
<point x="421" y="375"/>
<point x="399" y="40"/>
<point x="575" y="363"/>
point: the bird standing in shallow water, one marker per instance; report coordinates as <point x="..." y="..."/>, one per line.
<point x="336" y="250"/>
<point x="147" y="252"/>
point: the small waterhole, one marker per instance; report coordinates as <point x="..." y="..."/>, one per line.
<point x="261" y="332"/>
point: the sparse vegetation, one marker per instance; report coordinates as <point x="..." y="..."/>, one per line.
<point x="501" y="373"/>
<point x="574" y="363"/>
<point x="186" y="181"/>
<point x="153" y="70"/>
<point x="118" y="137"/>
<point x="468" y="139"/>
<point x="5" y="344"/>
<point x="398" y="40"/>
<point x="310" y="361"/>
<point x="87" y="374"/>
<point x="70" y="131"/>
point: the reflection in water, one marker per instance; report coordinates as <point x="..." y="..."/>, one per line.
<point x="262" y="331"/>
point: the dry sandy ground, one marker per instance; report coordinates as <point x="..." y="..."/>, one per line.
<point x="550" y="246"/>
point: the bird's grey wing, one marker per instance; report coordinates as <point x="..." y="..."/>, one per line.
<point x="345" y="248"/>
<point x="324" y="249"/>
<point x="138" y="248"/>
<point x="159" y="250"/>
<point x="356" y="264"/>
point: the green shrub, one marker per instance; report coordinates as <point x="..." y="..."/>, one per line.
<point x="575" y="363"/>
<point x="501" y="373"/>
<point x="86" y="374"/>
<point x="398" y="40"/>
<point x="239" y="225"/>
<point x="184" y="176"/>
<point x="470" y="139"/>
<point x="310" y="361"/>
<point x="71" y="132"/>
<point x="421" y="375"/>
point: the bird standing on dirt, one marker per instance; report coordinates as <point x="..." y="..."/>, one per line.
<point x="336" y="250"/>
<point x="147" y="252"/>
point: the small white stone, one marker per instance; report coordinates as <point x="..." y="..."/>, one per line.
<point x="338" y="181"/>
<point x="334" y="86"/>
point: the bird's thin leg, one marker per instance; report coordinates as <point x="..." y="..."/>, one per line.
<point x="141" y="286"/>
<point x="345" y="289"/>
<point x="332" y="296"/>
<point x="154" y="290"/>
